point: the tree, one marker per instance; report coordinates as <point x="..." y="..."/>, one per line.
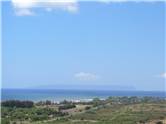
<point x="17" y="103"/>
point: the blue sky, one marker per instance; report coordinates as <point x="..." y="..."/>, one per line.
<point x="83" y="44"/>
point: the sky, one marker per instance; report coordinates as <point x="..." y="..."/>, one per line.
<point x="83" y="45"/>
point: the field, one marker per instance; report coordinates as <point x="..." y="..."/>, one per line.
<point x="125" y="114"/>
<point x="110" y="111"/>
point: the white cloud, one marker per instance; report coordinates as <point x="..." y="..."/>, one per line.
<point x="84" y="76"/>
<point x="108" y="1"/>
<point x="24" y="7"/>
<point x="163" y="75"/>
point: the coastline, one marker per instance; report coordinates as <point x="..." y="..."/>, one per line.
<point x="58" y="95"/>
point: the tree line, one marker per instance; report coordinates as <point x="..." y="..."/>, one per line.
<point x="17" y="103"/>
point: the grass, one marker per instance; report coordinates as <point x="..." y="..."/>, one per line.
<point x="104" y="112"/>
<point x="118" y="114"/>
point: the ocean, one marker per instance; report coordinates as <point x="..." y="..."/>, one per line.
<point x="59" y="95"/>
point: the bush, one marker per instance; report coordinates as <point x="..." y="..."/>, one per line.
<point x="5" y="121"/>
<point x="87" y="107"/>
<point x="96" y="102"/>
<point x="159" y="122"/>
<point x="39" y="117"/>
<point x="66" y="106"/>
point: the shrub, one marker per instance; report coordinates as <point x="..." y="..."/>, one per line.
<point x="159" y="122"/>
<point x="87" y="107"/>
<point x="5" y="121"/>
<point x="66" y="106"/>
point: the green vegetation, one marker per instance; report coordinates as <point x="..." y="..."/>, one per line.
<point x="21" y="114"/>
<point x="18" y="104"/>
<point x="66" y="106"/>
<point x="114" y="110"/>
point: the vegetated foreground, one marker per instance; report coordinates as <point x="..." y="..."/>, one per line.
<point x="114" y="110"/>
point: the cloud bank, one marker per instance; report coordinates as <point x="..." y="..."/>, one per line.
<point x="84" y="76"/>
<point x="25" y="7"/>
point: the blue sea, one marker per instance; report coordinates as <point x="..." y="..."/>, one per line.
<point x="59" y="95"/>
